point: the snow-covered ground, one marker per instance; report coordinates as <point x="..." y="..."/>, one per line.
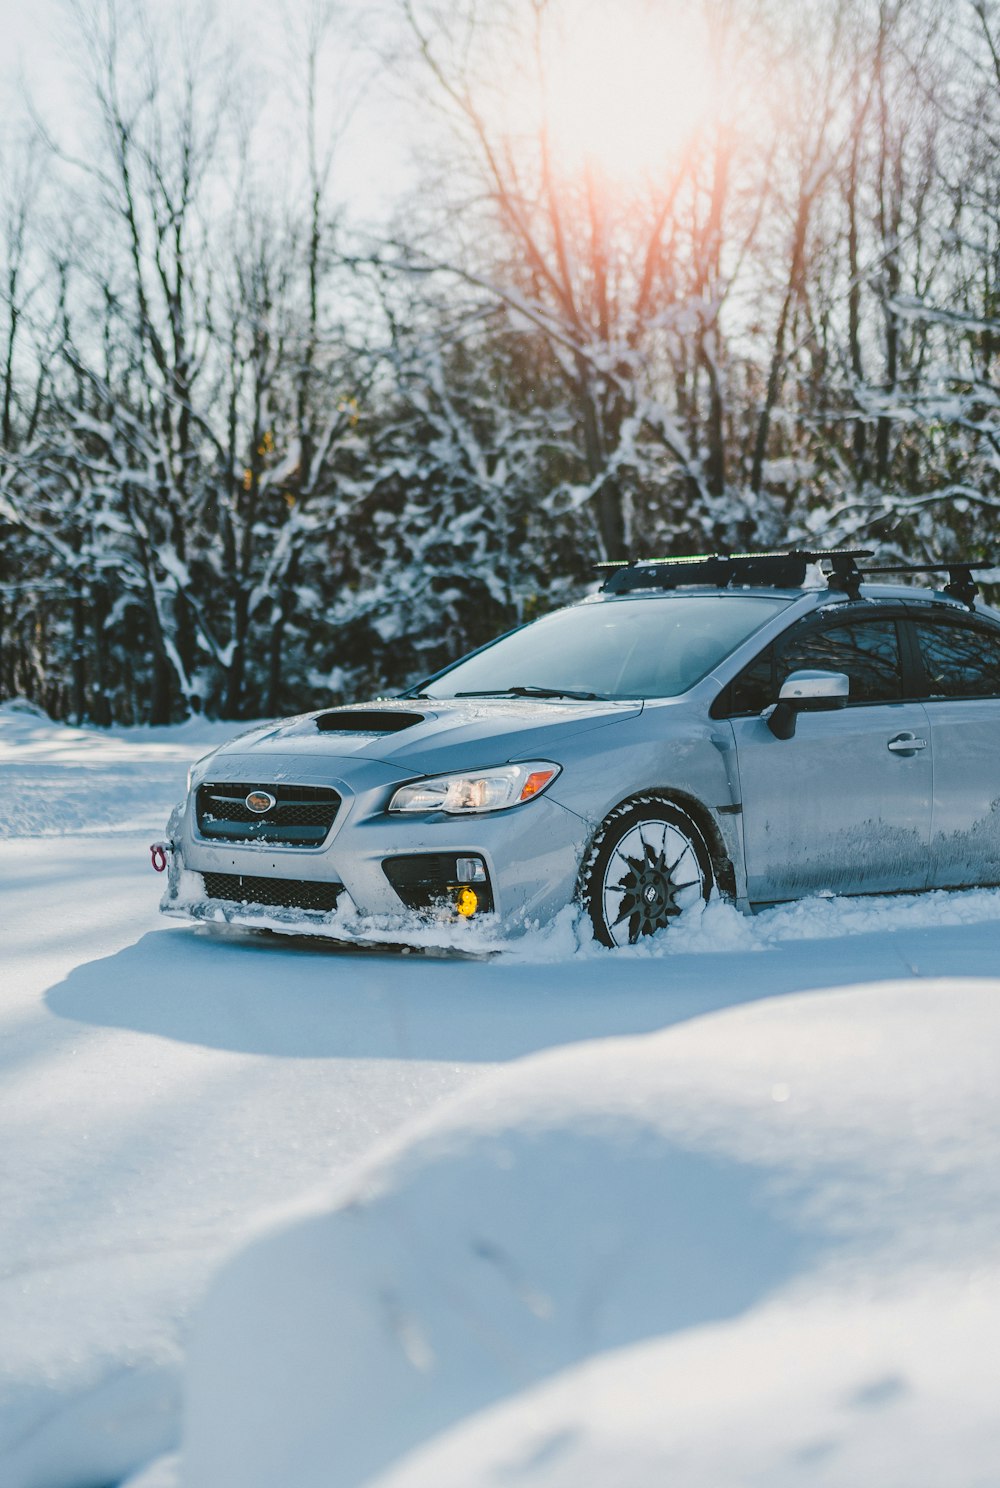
<point x="726" y="1225"/>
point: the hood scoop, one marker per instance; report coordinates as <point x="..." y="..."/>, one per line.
<point x="367" y="721"/>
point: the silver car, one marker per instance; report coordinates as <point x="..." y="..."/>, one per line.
<point x="747" y="725"/>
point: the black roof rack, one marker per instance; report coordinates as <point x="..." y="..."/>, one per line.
<point x="961" y="585"/>
<point x="779" y="570"/>
<point x="769" y="570"/>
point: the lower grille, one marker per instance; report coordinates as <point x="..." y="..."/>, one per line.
<point x="301" y="815"/>
<point x="288" y="893"/>
<point x="431" y="879"/>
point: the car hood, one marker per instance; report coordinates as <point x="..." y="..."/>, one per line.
<point x="424" y="736"/>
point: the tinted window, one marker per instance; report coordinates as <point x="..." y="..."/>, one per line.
<point x="960" y="660"/>
<point x="868" y="651"/>
<point x="628" y="648"/>
<point x="754" y="688"/>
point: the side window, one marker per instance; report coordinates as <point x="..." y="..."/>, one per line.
<point x="868" y="651"/>
<point x="961" y="661"/>
<point x="754" y="688"/>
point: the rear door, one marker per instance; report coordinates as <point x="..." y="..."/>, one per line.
<point x="961" y="661"/>
<point x="845" y="805"/>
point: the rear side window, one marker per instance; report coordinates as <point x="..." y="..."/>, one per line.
<point x="867" y="650"/>
<point x="960" y="661"/>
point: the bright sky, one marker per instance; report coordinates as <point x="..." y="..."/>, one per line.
<point x="627" y="84"/>
<point x="371" y="160"/>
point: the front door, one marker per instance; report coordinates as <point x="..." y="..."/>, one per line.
<point x="844" y="806"/>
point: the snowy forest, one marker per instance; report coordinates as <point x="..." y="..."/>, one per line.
<point x="661" y="278"/>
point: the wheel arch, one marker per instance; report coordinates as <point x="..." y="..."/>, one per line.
<point x="722" y="866"/>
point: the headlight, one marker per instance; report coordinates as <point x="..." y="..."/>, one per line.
<point x="485" y="790"/>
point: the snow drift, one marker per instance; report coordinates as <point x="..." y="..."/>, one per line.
<point x="737" y="1227"/>
<point x="759" y="1248"/>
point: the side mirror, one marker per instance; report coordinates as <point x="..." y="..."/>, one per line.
<point x="807" y="692"/>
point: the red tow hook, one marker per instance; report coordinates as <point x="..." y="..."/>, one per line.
<point x="158" y="852"/>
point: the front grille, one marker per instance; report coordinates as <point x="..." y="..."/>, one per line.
<point x="301" y="816"/>
<point x="288" y="893"/>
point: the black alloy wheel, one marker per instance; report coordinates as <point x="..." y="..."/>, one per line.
<point x="648" y="863"/>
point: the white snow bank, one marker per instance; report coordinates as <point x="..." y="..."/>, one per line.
<point x="783" y="1218"/>
<point x="22" y="707"/>
<point x="59" y="780"/>
<point x="720" y="927"/>
<point x="833" y="1390"/>
<point x="97" y="1437"/>
<point x="161" y="1087"/>
<point x="161" y="1473"/>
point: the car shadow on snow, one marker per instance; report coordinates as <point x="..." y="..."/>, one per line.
<point x="302" y="999"/>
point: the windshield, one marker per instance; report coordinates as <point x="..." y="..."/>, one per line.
<point x="629" y="648"/>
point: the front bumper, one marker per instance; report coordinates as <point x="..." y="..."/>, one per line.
<point x="531" y="855"/>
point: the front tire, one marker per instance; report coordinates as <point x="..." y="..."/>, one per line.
<point x="648" y="862"/>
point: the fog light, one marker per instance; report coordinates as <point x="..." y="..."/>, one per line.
<point x="470" y="870"/>
<point x="467" y="902"/>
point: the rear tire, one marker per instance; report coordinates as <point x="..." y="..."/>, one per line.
<point x="648" y="862"/>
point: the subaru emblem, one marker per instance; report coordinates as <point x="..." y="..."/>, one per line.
<point x="260" y="801"/>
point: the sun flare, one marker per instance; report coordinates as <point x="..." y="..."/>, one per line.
<point x="626" y="85"/>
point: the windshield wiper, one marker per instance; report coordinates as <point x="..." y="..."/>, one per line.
<point x="553" y="692"/>
<point x="533" y="692"/>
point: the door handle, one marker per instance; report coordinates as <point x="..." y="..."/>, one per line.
<point x="906" y="744"/>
